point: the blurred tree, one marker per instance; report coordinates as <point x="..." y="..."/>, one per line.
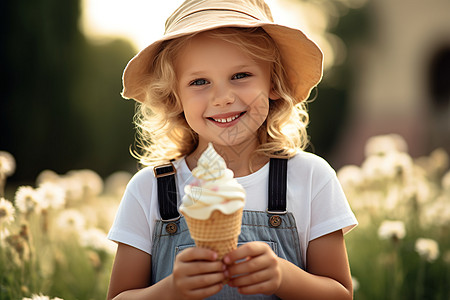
<point x="106" y="117"/>
<point x="348" y="21"/>
<point x="60" y="106"/>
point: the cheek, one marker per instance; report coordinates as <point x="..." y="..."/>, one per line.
<point x="258" y="114"/>
<point x="260" y="105"/>
<point x="255" y="93"/>
<point x="193" y="113"/>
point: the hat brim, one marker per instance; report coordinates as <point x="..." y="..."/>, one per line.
<point x="301" y="57"/>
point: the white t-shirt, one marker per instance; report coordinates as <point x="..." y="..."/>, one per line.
<point x="314" y="196"/>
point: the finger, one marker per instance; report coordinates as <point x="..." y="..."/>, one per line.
<point x="205" y="292"/>
<point x="194" y="262"/>
<point x="251" y="265"/>
<point x="187" y="284"/>
<point x="203" y="281"/>
<point x="194" y="268"/>
<point x="196" y="253"/>
<point x="244" y="251"/>
<point x="251" y="278"/>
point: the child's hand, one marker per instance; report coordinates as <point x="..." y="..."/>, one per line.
<point x="258" y="273"/>
<point x="197" y="274"/>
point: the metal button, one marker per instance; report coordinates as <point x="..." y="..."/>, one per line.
<point x="275" y="221"/>
<point x="171" y="228"/>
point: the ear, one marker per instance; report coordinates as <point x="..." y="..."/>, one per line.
<point x="273" y="95"/>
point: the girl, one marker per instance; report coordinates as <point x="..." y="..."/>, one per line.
<point x="225" y="73"/>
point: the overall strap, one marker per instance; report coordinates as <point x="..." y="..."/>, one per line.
<point x="167" y="191"/>
<point x="277" y="185"/>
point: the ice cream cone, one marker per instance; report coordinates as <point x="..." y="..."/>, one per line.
<point x="219" y="232"/>
<point x="213" y="203"/>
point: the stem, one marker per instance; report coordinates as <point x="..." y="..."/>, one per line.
<point x="395" y="271"/>
<point x="2" y="184"/>
<point x="398" y="272"/>
<point x="420" y="280"/>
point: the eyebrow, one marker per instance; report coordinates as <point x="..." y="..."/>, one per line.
<point x="194" y="74"/>
<point x="201" y="72"/>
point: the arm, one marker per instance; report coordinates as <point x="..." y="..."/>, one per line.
<point x="131" y="270"/>
<point x="328" y="275"/>
<point x="196" y="275"/>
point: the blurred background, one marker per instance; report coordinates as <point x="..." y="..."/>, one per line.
<point x="387" y="70"/>
<point x="380" y="116"/>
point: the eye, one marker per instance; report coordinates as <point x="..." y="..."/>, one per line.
<point x="200" y="81"/>
<point x="240" y="75"/>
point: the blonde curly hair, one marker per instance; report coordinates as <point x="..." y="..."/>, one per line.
<point x="162" y="131"/>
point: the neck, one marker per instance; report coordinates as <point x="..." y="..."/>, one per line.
<point x="237" y="157"/>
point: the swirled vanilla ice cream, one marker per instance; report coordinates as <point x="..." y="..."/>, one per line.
<point x="213" y="204"/>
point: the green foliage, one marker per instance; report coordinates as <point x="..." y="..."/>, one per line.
<point x="347" y="23"/>
<point x="399" y="201"/>
<point x="60" y="249"/>
<point x="58" y="246"/>
<point x="61" y="106"/>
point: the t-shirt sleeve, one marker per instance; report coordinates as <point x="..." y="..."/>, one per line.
<point x="330" y="209"/>
<point x="131" y="224"/>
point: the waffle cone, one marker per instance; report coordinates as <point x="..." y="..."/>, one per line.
<point x="219" y="233"/>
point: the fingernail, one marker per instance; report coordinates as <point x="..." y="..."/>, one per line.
<point x="226" y="260"/>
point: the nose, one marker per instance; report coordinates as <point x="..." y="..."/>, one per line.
<point x="223" y="95"/>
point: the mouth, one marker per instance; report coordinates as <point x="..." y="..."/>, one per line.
<point x="226" y="119"/>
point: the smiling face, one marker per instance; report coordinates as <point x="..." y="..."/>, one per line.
<point x="224" y="92"/>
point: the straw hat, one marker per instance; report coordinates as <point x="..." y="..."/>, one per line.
<point x="301" y="57"/>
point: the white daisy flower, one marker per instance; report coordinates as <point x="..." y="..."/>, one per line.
<point x="389" y="166"/>
<point x="46" y="176"/>
<point x="436" y="213"/>
<point x="446" y="181"/>
<point x="116" y="183"/>
<point x="52" y="194"/>
<point x="350" y="176"/>
<point x="71" y="220"/>
<point x="27" y="199"/>
<point x="392" y="230"/>
<point x="73" y="187"/>
<point x="384" y="144"/>
<point x="6" y="211"/>
<point x="439" y="159"/>
<point x="4" y="234"/>
<point x="355" y="283"/>
<point x="428" y="249"/>
<point x="96" y="238"/>
<point x="91" y="182"/>
<point x="40" y="297"/>
<point x="7" y="163"/>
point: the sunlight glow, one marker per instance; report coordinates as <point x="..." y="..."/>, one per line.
<point x="142" y="21"/>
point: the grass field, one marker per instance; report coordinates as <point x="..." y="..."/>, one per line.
<point x="53" y="235"/>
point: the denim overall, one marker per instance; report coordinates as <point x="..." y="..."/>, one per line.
<point x="275" y="226"/>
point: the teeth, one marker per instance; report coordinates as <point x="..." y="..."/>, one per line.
<point x="227" y="120"/>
